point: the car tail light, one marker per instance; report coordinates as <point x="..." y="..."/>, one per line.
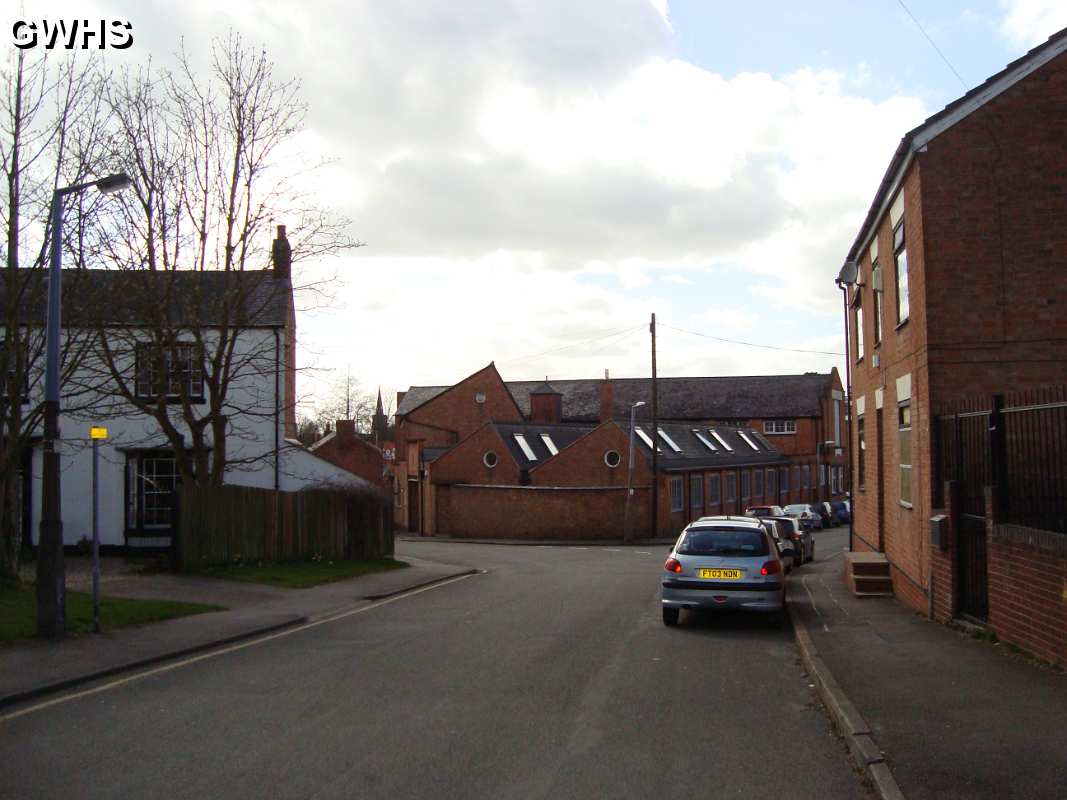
<point x="771" y="568"/>
<point x="672" y="565"/>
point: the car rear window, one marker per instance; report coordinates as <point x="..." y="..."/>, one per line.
<point x="723" y="542"/>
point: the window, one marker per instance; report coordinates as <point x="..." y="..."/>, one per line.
<point x="861" y="471"/>
<point x="721" y="441"/>
<point x="152" y="480"/>
<point x="524" y="445"/>
<point x="731" y="487"/>
<point x="901" y="255"/>
<point x="783" y="480"/>
<point x="747" y="440"/>
<point x="904" y="434"/>
<point x="796" y="477"/>
<point x="676" y="494"/>
<point x="713" y="490"/>
<point x="670" y="442"/>
<point x="173" y="372"/>
<point x="549" y="444"/>
<point x="490" y="459"/>
<point x="746" y="485"/>
<point x="772" y="483"/>
<point x="645" y="438"/>
<point x="696" y="491"/>
<point x="858" y="323"/>
<point x="780" y="426"/>
<point x="612" y="458"/>
<point x="704" y="440"/>
<point x="805" y="477"/>
<point x="757" y="479"/>
<point x="877" y="321"/>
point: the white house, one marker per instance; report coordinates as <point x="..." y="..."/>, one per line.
<point x="113" y="372"/>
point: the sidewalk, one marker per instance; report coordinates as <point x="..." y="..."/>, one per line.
<point x="955" y="717"/>
<point x="38" y="667"/>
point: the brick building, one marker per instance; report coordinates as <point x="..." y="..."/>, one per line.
<point x="443" y="434"/>
<point x="346" y="448"/>
<point x="960" y="292"/>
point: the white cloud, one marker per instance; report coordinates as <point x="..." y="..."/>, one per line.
<point x="1029" y="22"/>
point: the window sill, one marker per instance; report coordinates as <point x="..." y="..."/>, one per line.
<point x="172" y="399"/>
<point x="902" y="323"/>
<point x="905" y="504"/>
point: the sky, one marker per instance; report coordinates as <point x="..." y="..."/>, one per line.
<point x="532" y="179"/>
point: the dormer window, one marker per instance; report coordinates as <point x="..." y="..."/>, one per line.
<point x="549" y="444"/>
<point x="524" y="445"/>
<point x="704" y="441"/>
<point x="747" y="440"/>
<point x="670" y="442"/>
<point x="720" y="440"/>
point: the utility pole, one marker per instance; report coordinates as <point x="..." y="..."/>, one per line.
<point x="655" y="434"/>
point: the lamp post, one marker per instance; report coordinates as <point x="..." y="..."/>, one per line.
<point x="51" y="577"/>
<point x="846" y="278"/>
<point x="819" y="465"/>
<point x="630" y="473"/>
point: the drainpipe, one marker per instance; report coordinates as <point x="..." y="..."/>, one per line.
<point x="277" y="408"/>
<point x="846" y="278"/>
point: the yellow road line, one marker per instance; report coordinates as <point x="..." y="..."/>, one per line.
<point x="222" y="651"/>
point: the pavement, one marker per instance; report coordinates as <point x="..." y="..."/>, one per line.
<point x="36" y="668"/>
<point x="932" y="711"/>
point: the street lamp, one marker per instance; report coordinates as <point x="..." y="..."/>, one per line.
<point x="630" y="472"/>
<point x="846" y="278"/>
<point x="51" y="578"/>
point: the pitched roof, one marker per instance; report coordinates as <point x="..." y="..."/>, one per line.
<point x="733" y="447"/>
<point x="561" y="436"/>
<point x="124" y="297"/>
<point x="959" y="109"/>
<point x="545" y="388"/>
<point x="708" y="398"/>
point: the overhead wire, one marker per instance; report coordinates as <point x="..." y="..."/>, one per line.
<point x="622" y="332"/>
<point x="933" y="44"/>
<point x="748" y="344"/>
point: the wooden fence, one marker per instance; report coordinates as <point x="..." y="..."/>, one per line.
<point x="227" y="524"/>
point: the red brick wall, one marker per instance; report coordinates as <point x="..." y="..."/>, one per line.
<point x="352" y="453"/>
<point x="582" y="462"/>
<point x="465" y="462"/>
<point x="532" y="512"/>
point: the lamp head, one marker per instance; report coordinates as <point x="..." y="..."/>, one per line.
<point x="113" y="183"/>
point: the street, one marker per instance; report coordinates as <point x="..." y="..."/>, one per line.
<point x="551" y="675"/>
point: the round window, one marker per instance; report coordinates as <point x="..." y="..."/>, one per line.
<point x="489" y="459"/>
<point x="612" y="458"/>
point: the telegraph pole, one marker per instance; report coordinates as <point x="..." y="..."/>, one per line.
<point x="655" y="434"/>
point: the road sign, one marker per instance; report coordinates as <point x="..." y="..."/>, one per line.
<point x="97" y="433"/>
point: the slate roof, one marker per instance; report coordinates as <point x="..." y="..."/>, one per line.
<point x="121" y="297"/>
<point x="955" y="111"/>
<point x="709" y="398"/>
<point x="695" y="454"/>
<point x="561" y="435"/>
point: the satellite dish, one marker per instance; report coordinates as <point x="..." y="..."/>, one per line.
<point x="848" y="273"/>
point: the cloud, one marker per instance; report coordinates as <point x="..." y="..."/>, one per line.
<point x="1029" y="22"/>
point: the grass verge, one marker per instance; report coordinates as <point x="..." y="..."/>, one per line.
<point x="300" y="574"/>
<point x="18" y="612"/>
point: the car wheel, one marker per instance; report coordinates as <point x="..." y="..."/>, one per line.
<point x="812" y="556"/>
<point x="670" y="616"/>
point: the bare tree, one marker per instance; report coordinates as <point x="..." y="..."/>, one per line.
<point x="213" y="171"/>
<point x="49" y="130"/>
<point x="344" y="398"/>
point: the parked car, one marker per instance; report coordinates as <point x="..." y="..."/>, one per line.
<point x="827" y="514"/>
<point x="808" y="516"/>
<point x="787" y="548"/>
<point x="723" y="562"/>
<point x="841" y="511"/>
<point x="764" y="511"/>
<point x="803" y="541"/>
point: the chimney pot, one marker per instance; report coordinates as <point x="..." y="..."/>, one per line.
<point x="282" y="255"/>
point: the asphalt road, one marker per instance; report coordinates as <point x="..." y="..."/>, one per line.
<point x="551" y="676"/>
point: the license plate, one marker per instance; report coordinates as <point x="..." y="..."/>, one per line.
<point x="721" y="574"/>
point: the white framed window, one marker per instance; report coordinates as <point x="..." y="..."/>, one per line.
<point x="900" y="254"/>
<point x="780" y="426"/>
<point x="525" y="446"/>
<point x="704" y="440"/>
<point x="490" y="459"/>
<point x="670" y="442"/>
<point x="645" y="438"/>
<point x="747" y="440"/>
<point x="612" y="458"/>
<point x="549" y="444"/>
<point x="720" y="440"/>
<point x="677" y="498"/>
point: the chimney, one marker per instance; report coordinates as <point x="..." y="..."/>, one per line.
<point x="346" y="429"/>
<point x="282" y="256"/>
<point x="607" y="398"/>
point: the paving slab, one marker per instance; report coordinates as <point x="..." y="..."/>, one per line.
<point x="35" y="668"/>
<point x="953" y="716"/>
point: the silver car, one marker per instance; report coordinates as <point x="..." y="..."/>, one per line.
<point x="723" y="562"/>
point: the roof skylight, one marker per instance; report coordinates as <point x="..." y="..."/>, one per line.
<point x="704" y="440"/>
<point x="645" y="438"/>
<point x="549" y="443"/>
<point x="525" y="447"/>
<point x="670" y="442"/>
<point x="748" y="441"/>
<point x="720" y="440"/>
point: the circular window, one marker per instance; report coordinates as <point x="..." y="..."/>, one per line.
<point x="489" y="459"/>
<point x="612" y="458"/>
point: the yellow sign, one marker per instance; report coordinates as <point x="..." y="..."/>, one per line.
<point x="98" y="433"/>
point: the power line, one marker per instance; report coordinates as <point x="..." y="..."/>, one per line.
<point x="620" y="332"/>
<point x="933" y="44"/>
<point x="749" y="344"/>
